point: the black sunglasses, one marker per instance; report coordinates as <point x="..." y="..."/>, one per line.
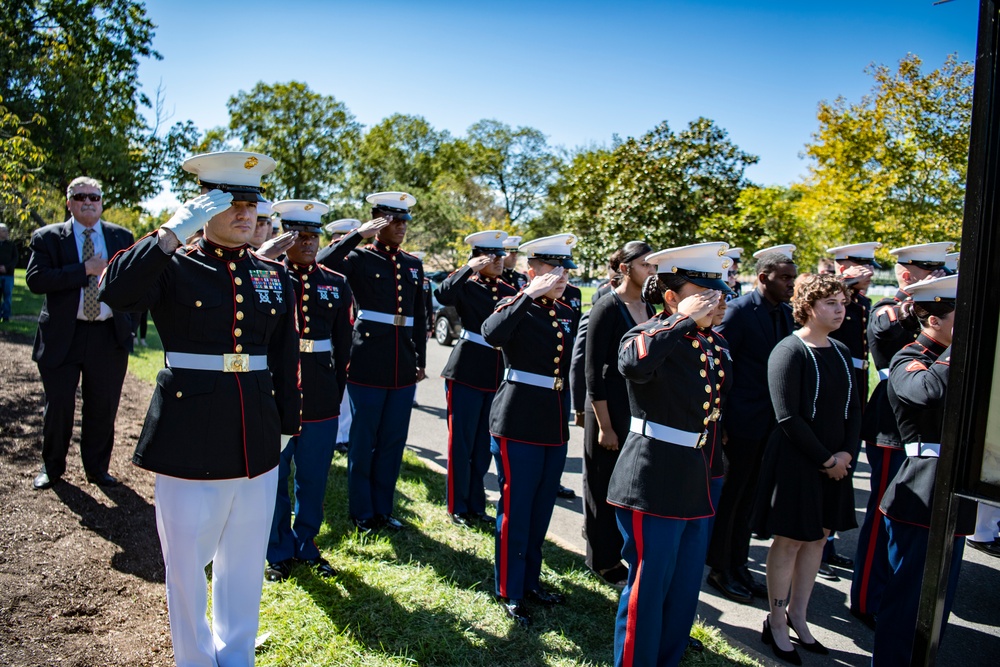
<point x="83" y="197"/>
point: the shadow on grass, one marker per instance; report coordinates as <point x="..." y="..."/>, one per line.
<point x="426" y="593"/>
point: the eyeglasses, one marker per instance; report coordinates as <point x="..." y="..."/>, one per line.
<point x="83" y="197"/>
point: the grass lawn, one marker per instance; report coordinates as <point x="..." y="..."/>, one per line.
<point x="422" y="596"/>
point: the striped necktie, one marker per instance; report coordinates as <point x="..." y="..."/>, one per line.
<point x="91" y="307"/>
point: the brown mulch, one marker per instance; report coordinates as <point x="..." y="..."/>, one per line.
<point x="81" y="574"/>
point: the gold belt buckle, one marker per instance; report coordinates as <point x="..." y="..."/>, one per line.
<point x="306" y="345"/>
<point x="399" y="320"/>
<point x="864" y="365"/>
<point x="557" y="384"/>
<point x="702" y="441"/>
<point x="235" y="363"/>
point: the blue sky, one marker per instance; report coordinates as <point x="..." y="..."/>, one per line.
<point x="578" y="71"/>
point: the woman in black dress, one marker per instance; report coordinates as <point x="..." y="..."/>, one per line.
<point x="606" y="418"/>
<point x="805" y="490"/>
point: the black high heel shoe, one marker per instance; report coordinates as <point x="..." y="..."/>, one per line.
<point x="791" y="657"/>
<point x="813" y="646"/>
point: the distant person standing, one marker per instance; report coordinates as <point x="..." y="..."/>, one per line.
<point x="78" y="337"/>
<point x="337" y="230"/>
<point x="890" y="328"/>
<point x="753" y="325"/>
<point x="8" y="262"/>
<point x="472" y="375"/>
<point x="221" y="408"/>
<point x="510" y="274"/>
<point x="606" y="417"/>
<point x="528" y="424"/>
<point x="918" y="384"/>
<point x="732" y="278"/>
<point x="388" y="354"/>
<point x="323" y="305"/>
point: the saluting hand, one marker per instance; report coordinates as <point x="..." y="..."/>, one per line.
<point x="700" y="307"/>
<point x="479" y="263"/>
<point x="195" y="213"/>
<point x="371" y="228"/>
<point x="274" y="248"/>
<point x="543" y="284"/>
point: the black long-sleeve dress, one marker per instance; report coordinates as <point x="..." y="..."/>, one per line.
<point x="609" y="321"/>
<point x="818" y="410"/>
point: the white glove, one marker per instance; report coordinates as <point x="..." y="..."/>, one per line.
<point x="193" y="215"/>
<point x="284" y="440"/>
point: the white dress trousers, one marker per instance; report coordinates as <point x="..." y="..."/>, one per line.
<point x="226" y="523"/>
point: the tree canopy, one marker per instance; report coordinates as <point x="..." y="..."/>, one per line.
<point x="74" y="65"/>
<point x="892" y="167"/>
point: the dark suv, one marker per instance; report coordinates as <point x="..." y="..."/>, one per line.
<point x="447" y="327"/>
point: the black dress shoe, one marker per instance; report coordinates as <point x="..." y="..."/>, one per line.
<point x="566" y="492"/>
<point x="366" y="526"/>
<point x="867" y="619"/>
<point x="827" y="572"/>
<point x="791" y="657"/>
<point x="813" y="646"/>
<point x="695" y="645"/>
<point x="516" y="610"/>
<point x="43" y="481"/>
<point x="616" y="576"/>
<point x="103" y="479"/>
<point x="991" y="548"/>
<point x="546" y="597"/>
<point x="459" y="519"/>
<point x="279" y="571"/>
<point x="322" y="567"/>
<point x="840" y="561"/>
<point x="729" y="587"/>
<point x="745" y="577"/>
<point x="390" y="522"/>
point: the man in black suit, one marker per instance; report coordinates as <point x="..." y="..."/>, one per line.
<point x="77" y="335"/>
<point x="753" y="325"/>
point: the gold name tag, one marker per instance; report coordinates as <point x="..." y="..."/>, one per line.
<point x="236" y="363"/>
<point x="306" y="345"/>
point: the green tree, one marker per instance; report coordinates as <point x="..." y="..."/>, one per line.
<point x="517" y="164"/>
<point x="312" y="137"/>
<point x="766" y="217"/>
<point x="659" y="188"/>
<point x="20" y="163"/>
<point x="74" y="63"/>
<point x="892" y="167"/>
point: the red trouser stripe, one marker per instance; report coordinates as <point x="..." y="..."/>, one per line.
<point x="451" y="437"/>
<point x="633" y="596"/>
<point x="505" y="523"/>
<point x="866" y="570"/>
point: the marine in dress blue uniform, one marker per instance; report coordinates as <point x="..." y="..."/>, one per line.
<point x="528" y="420"/>
<point x="472" y="375"/>
<point x="890" y="329"/>
<point x="220" y="409"/>
<point x="323" y="305"/>
<point x="388" y="354"/>
<point x="735" y="254"/>
<point x="661" y="486"/>
<point x="918" y="382"/>
<point x="337" y="230"/>
<point x="511" y="275"/>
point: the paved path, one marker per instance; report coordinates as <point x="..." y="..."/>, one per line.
<point x="973" y="636"/>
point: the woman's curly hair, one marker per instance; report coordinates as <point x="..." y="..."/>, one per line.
<point x="810" y="288"/>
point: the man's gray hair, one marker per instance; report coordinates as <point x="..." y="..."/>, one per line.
<point x="3" y="228"/>
<point x="82" y="180"/>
